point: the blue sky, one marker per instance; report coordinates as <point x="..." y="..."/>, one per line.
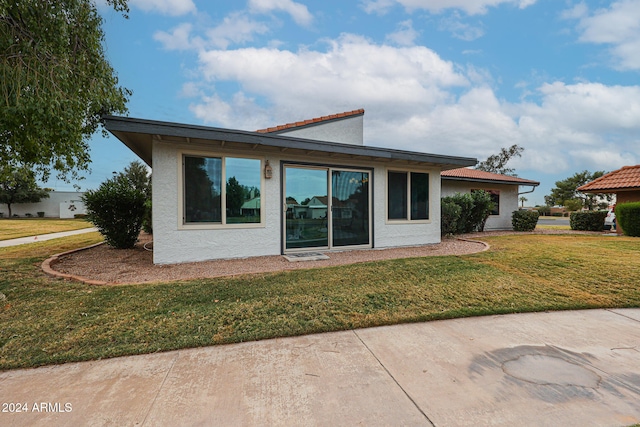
<point x="461" y="77"/>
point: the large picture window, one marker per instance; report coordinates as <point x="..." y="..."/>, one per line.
<point x="221" y="190"/>
<point x="407" y="196"/>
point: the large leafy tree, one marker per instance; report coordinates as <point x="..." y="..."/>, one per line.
<point x="19" y="186"/>
<point x="566" y="190"/>
<point x="497" y="163"/>
<point x="55" y="83"/>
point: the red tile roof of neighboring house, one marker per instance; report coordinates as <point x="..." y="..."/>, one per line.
<point x="622" y="179"/>
<point x="466" y="174"/>
<point x="312" y="121"/>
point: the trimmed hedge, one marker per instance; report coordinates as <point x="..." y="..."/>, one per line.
<point x="628" y="217"/>
<point x="587" y="221"/>
<point x="524" y="220"/>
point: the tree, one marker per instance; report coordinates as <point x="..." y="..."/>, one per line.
<point x="497" y="163"/>
<point x="522" y="200"/>
<point x="56" y="83"/>
<point x="19" y="186"/>
<point x="117" y="209"/>
<point x="567" y="190"/>
<point x="235" y="196"/>
<point x="138" y="176"/>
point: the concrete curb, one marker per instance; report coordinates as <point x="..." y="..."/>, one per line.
<point x="486" y="245"/>
<point x="49" y="262"/>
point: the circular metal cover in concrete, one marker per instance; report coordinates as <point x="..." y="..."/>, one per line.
<point x="549" y="370"/>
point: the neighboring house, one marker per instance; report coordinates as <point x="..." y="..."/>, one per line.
<point x="59" y="204"/>
<point x="504" y="190"/>
<point x="624" y="183"/>
<point x="319" y="187"/>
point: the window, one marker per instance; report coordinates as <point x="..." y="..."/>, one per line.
<point x="407" y="196"/>
<point x="495" y="198"/>
<point x="207" y="200"/>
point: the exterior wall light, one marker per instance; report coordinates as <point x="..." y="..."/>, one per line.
<point x="268" y="172"/>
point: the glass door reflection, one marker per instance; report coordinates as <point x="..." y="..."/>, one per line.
<point x="307" y="204"/>
<point x="350" y="207"/>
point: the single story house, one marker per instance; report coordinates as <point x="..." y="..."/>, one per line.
<point x="624" y="183"/>
<point x="504" y="190"/>
<point x="319" y="188"/>
<point x="59" y="204"/>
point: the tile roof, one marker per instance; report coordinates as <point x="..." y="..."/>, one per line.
<point x="312" y="121"/>
<point x="466" y="174"/>
<point x="626" y="178"/>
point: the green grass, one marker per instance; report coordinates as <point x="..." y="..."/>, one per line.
<point x="23" y="227"/>
<point x="47" y="321"/>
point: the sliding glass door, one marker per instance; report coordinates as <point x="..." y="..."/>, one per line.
<point x="326" y="207"/>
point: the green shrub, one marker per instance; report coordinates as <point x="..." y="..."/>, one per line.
<point x="544" y="210"/>
<point x="587" y="221"/>
<point x="482" y="207"/>
<point x="40" y="214"/>
<point x="524" y="220"/>
<point x="116" y="208"/>
<point x="147" y="224"/>
<point x="474" y="209"/>
<point x="79" y="216"/>
<point x="449" y="216"/>
<point x="628" y="217"/>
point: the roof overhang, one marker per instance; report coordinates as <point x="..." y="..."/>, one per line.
<point x="138" y="135"/>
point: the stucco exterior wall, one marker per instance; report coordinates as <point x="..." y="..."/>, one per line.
<point x="508" y="200"/>
<point x="60" y="204"/>
<point x="347" y="131"/>
<point x="175" y="244"/>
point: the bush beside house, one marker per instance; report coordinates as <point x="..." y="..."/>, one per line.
<point x="628" y="217"/>
<point x="465" y="213"/>
<point x="117" y="209"/>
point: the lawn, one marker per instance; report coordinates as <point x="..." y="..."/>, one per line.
<point x="47" y="321"/>
<point x="23" y="227"/>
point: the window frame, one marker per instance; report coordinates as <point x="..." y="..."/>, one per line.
<point x="183" y="225"/>
<point x="493" y="193"/>
<point x="408" y="197"/>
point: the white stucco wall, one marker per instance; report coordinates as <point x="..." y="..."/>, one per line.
<point x="508" y="200"/>
<point x="393" y="233"/>
<point x="173" y="243"/>
<point x="60" y="204"/>
<point x="347" y="131"/>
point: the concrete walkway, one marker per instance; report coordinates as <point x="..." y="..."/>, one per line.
<point x="43" y="237"/>
<point x="578" y="368"/>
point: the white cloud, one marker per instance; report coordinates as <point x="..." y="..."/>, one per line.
<point x="298" y="12"/>
<point x="353" y="72"/>
<point x="415" y="100"/>
<point x="460" y="29"/>
<point x="165" y="7"/>
<point x="405" y="35"/>
<point x="470" y="7"/>
<point x="617" y="26"/>
<point x="178" y="39"/>
<point x="236" y="28"/>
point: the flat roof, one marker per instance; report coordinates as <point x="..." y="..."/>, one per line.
<point x="138" y="135"/>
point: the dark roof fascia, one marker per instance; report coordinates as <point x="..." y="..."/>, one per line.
<point x="489" y="181"/>
<point x="312" y="124"/>
<point x="117" y="124"/>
